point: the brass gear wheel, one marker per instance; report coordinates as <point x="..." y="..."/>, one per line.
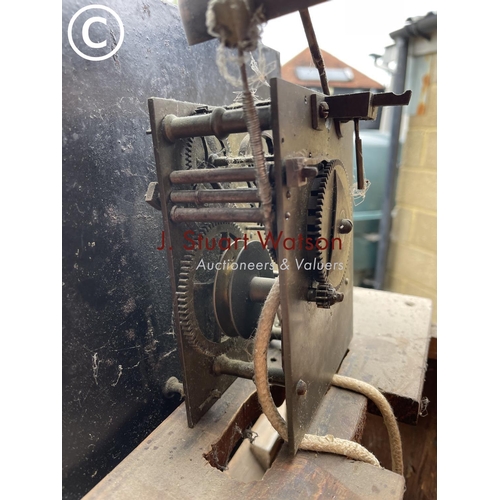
<point x="195" y="153"/>
<point x="330" y="203"/>
<point x="194" y="292"/>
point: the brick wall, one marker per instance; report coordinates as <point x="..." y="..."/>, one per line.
<point x="413" y="254"/>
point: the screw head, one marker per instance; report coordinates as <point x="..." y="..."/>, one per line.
<point x="345" y="226"/>
<point x="324" y="109"/>
<point x="301" y="388"/>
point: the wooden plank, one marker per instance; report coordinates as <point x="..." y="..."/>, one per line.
<point x="389" y="350"/>
<point x="343" y="414"/>
<point x="171" y="462"/>
<point x="359" y="478"/>
<point x="390" y="346"/>
<point x="433" y="345"/>
<point x="267" y="441"/>
<point x="295" y="479"/>
<point x="419" y="444"/>
<point x="245" y="466"/>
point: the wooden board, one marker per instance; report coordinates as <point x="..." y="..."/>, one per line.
<point x="389" y="348"/>
<point x="343" y="414"/>
<point x="171" y="463"/>
<point x="419" y="444"/>
<point x="433" y="344"/>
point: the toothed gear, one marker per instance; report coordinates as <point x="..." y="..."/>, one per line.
<point x="323" y="295"/>
<point x="195" y="153"/>
<point x="326" y="296"/>
<point x="329" y="203"/>
<point x="191" y="307"/>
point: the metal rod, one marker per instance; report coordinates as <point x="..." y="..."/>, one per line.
<point x="222" y="161"/>
<point x="220" y="122"/>
<point x="179" y="214"/>
<point x="260" y="288"/>
<point x="243" y="174"/>
<point x="276" y="333"/>
<point x="360" y="169"/>
<point x="315" y="50"/>
<point x="227" y="366"/>
<point x="249" y="195"/>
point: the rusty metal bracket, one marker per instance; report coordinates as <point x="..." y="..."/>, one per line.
<point x="153" y="195"/>
<point x="347" y="107"/>
<point x="362" y="105"/>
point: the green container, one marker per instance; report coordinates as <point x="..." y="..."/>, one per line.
<point x="368" y="211"/>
